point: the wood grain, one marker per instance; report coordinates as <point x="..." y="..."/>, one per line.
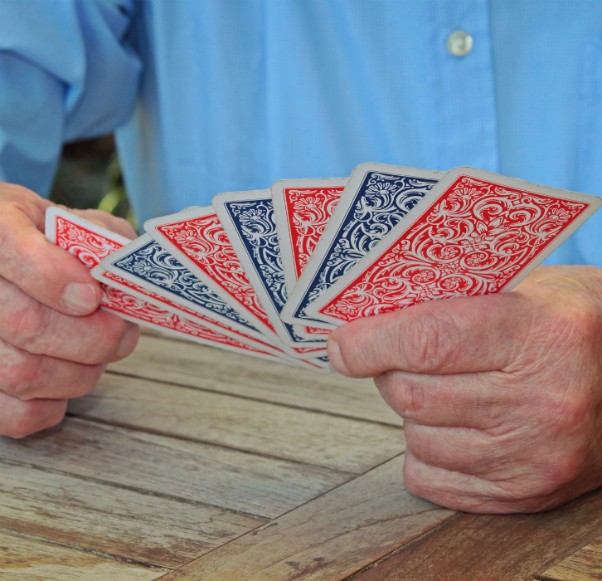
<point x="496" y="548"/>
<point x="328" y="538"/>
<point x="111" y="520"/>
<point x="583" y="565"/>
<point x="180" y="469"/>
<point x="207" y="368"/>
<point x="27" y="560"/>
<point x="243" y="424"/>
<point x="191" y="463"/>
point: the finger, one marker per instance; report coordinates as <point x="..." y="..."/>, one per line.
<point x="32" y="204"/>
<point x="451" y="489"/>
<point x="22" y="418"/>
<point x="449" y="336"/>
<point x="465" y="450"/>
<point x="25" y="376"/>
<point x="470" y="493"/>
<point x="106" y="220"/>
<point x="32" y="327"/>
<point x="42" y="270"/>
<point x="524" y="461"/>
<point x="472" y="400"/>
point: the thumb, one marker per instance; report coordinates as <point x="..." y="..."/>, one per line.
<point x="40" y="269"/>
<point x="459" y="335"/>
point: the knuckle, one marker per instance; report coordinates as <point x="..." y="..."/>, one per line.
<point x="405" y="396"/>
<point x="582" y="320"/>
<point x="21" y="376"/>
<point x="413" y="401"/>
<point x="9" y="190"/>
<point x="575" y="326"/>
<point x="431" y="344"/>
<point x="25" y="322"/>
<point x="17" y="201"/>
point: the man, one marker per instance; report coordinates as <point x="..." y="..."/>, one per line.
<point x="501" y="395"/>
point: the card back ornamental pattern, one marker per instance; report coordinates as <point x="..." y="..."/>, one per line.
<point x="475" y="239"/>
<point x="254" y="220"/>
<point x="157" y="299"/>
<point x="309" y="210"/>
<point x="380" y="202"/>
<point x="152" y="264"/>
<point x="205" y="242"/>
<point x="91" y="247"/>
<point x="132" y="306"/>
<point x="86" y="245"/>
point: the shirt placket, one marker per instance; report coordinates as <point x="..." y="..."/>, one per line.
<point x="465" y="117"/>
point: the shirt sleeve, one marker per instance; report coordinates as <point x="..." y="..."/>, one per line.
<point x="66" y="72"/>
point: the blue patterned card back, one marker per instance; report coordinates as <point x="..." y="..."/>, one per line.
<point x="256" y="228"/>
<point x="154" y="265"/>
<point x="379" y="203"/>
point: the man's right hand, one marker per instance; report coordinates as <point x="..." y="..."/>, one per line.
<point x="54" y="341"/>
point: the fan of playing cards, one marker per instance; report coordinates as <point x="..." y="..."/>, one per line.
<point x="270" y="272"/>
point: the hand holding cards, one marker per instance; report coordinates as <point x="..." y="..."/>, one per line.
<point x="270" y="272"/>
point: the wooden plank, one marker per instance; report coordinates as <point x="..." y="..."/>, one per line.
<point x="239" y="423"/>
<point x="328" y="538"/>
<point x="496" y="548"/>
<point x="583" y="565"/>
<point x="110" y="520"/>
<point x="186" y="470"/>
<point x="27" y="560"/>
<point x="207" y="368"/>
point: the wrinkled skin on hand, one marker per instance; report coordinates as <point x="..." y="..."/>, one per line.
<point x="54" y="342"/>
<point x="501" y="395"/>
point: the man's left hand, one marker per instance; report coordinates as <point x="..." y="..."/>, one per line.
<point x="501" y="395"/>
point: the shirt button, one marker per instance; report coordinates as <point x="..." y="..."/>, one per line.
<point x="459" y="43"/>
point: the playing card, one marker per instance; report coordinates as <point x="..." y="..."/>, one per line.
<point x="197" y="239"/>
<point x="164" y="304"/>
<point x="91" y="243"/>
<point x="134" y="309"/>
<point x="86" y="241"/>
<point x="476" y="233"/>
<point x="375" y="199"/>
<point x="248" y="219"/>
<point x="148" y="265"/>
<point x="302" y="209"/>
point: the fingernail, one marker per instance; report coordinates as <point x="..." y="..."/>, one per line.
<point x="335" y="357"/>
<point x="128" y="343"/>
<point x="80" y="298"/>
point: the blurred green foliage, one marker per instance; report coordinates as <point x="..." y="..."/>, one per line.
<point x="89" y="176"/>
<point x="115" y="200"/>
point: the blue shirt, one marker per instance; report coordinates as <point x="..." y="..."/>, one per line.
<point x="224" y="95"/>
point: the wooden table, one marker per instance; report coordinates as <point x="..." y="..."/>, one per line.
<point x="191" y="463"/>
